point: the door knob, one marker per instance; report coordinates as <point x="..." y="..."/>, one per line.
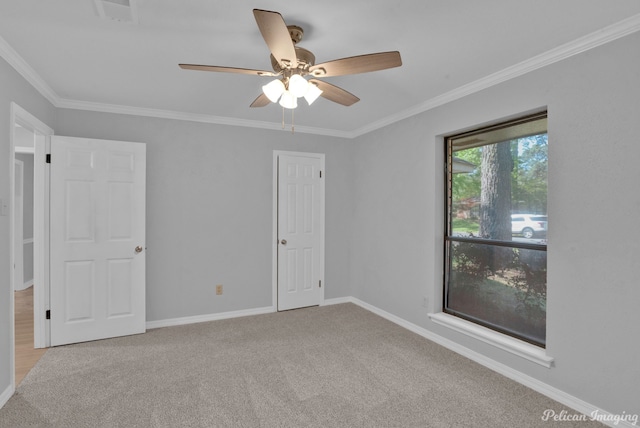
<point x="138" y="249"/>
<point x="283" y="242"/>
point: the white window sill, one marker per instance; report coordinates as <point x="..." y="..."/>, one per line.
<point x="510" y="344"/>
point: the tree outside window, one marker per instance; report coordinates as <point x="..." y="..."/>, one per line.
<point x="495" y="270"/>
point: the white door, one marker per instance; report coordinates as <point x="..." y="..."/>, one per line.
<point x="300" y="231"/>
<point x="97" y="239"/>
<point x="18" y="221"/>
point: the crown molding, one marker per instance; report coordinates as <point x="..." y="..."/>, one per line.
<point x="30" y="75"/>
<point x="597" y="38"/>
<point x="24" y="69"/>
<point x="192" y="117"/>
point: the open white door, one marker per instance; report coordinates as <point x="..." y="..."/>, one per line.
<point x="300" y="231"/>
<point x="97" y="239"/>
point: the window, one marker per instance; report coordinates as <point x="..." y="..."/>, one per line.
<point x="496" y="226"/>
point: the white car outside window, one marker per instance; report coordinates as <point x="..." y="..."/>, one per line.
<point x="528" y="225"/>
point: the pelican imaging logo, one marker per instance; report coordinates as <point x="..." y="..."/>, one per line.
<point x="596" y="415"/>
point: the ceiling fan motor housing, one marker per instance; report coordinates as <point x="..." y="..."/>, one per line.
<point x="296" y="33"/>
<point x="305" y="58"/>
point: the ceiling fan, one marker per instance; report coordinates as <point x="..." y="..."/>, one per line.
<point x="292" y="63"/>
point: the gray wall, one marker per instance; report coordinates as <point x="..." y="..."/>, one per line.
<point x="209" y="209"/>
<point x="27" y="214"/>
<point x="209" y="213"/>
<point x="593" y="102"/>
<point x="12" y="88"/>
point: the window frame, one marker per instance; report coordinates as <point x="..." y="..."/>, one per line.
<point x="452" y="315"/>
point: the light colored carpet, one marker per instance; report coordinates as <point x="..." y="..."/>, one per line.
<point x="331" y="366"/>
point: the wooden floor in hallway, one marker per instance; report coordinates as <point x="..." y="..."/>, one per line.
<point x="26" y="355"/>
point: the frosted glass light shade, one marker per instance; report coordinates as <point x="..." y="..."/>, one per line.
<point x="298" y="86"/>
<point x="273" y="90"/>
<point x="288" y="100"/>
<point x="312" y="94"/>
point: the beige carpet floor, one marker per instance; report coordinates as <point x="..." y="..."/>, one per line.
<point x="331" y="366"/>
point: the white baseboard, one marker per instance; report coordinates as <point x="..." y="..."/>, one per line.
<point x="337" y="301"/>
<point x="227" y="315"/>
<point x="208" y="317"/>
<point x="6" y="395"/>
<point x="526" y="380"/>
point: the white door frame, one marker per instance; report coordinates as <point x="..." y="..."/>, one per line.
<point x="274" y="228"/>
<point x="19" y="116"/>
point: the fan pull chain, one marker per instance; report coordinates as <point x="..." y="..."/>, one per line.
<point x="292" y="118"/>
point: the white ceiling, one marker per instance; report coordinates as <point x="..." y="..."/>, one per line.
<point x="449" y="48"/>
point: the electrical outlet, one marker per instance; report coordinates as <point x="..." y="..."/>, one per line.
<point x="425" y="302"/>
<point x="218" y="289"/>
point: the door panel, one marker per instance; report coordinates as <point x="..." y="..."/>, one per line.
<point x="78" y="289"/>
<point x="119" y="276"/>
<point x="300" y="231"/>
<point x="79" y="201"/>
<point x="97" y="221"/>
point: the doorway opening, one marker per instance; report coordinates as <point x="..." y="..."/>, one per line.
<point x="96" y="191"/>
<point x="27" y="234"/>
<point x="26" y="354"/>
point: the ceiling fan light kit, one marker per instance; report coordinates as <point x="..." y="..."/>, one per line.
<point x="273" y="90"/>
<point x="292" y="63"/>
<point x="288" y="100"/>
<point x="298" y="85"/>
<point x="313" y="92"/>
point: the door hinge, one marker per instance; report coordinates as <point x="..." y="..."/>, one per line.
<point x="320" y="174"/>
<point x="320" y="284"/>
<point x="47" y="315"/>
<point x="48" y="158"/>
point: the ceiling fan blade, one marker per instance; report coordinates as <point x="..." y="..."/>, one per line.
<point x="276" y="35"/>
<point x="261" y="101"/>
<point x="357" y="64"/>
<point x="334" y="93"/>
<point x="226" y="69"/>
